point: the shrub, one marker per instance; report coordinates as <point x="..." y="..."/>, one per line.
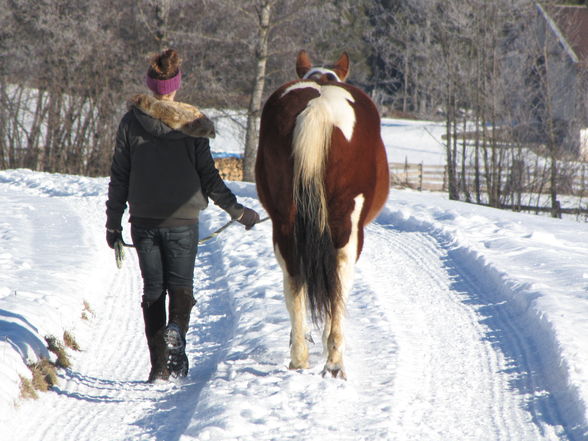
<point x="57" y="348"/>
<point x="70" y="341"/>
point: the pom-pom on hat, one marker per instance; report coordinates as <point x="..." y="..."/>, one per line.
<point x="164" y="75"/>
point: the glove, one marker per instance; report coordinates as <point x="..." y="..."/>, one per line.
<point x="112" y="236"/>
<point x="249" y="218"/>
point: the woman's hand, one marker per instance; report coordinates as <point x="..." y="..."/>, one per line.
<point x="249" y="218"/>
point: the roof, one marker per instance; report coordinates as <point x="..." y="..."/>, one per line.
<point x="571" y="24"/>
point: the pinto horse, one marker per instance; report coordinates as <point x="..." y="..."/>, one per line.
<point x="322" y="175"/>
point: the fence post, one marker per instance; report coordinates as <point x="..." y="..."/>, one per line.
<point x="421" y="176"/>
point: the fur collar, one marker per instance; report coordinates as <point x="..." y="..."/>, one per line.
<point x="179" y="116"/>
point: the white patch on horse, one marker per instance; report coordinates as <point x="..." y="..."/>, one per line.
<point x="347" y="255"/>
<point x="320" y="71"/>
<point x="311" y="141"/>
<point x="302" y="85"/>
<point x="339" y="101"/>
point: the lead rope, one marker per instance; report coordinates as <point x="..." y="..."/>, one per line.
<point x="120" y="244"/>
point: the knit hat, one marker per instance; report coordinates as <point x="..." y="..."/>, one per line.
<point x="164" y="87"/>
<point x="164" y="75"/>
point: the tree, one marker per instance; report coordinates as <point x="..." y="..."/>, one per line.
<point x="64" y="103"/>
<point x="264" y="13"/>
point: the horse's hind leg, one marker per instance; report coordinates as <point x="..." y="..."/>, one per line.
<point x="333" y="341"/>
<point x="296" y="305"/>
<point x="295" y="302"/>
<point x="333" y="338"/>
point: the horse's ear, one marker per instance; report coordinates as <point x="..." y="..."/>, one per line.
<point x="341" y="67"/>
<point x="303" y="63"/>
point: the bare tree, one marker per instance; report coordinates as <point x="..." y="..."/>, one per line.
<point x="264" y="13"/>
<point x="63" y="105"/>
<point x="154" y="16"/>
<point x="453" y="57"/>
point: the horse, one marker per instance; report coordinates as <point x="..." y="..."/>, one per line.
<point x="321" y="174"/>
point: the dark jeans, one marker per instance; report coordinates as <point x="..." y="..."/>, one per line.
<point x="166" y="257"/>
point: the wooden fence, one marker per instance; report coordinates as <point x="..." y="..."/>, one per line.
<point x="434" y="178"/>
<point x="418" y="176"/>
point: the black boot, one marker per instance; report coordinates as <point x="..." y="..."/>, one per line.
<point x="154" y="316"/>
<point x="159" y="355"/>
<point x="180" y="306"/>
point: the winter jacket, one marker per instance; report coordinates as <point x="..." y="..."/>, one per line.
<point x="162" y="166"/>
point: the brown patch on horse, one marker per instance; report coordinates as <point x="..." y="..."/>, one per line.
<point x="179" y="116"/>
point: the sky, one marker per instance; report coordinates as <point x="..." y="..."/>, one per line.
<point x="464" y="323"/>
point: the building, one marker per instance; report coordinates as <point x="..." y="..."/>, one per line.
<point x="563" y="37"/>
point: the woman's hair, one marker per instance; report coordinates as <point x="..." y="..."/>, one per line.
<point x="164" y="65"/>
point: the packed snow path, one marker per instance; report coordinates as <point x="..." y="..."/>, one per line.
<point x="432" y="353"/>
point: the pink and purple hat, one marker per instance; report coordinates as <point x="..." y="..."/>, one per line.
<point x="163" y="87"/>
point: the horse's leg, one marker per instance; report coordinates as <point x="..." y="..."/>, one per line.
<point x="333" y="333"/>
<point x="295" y="302"/>
<point x="296" y="305"/>
<point x="333" y="341"/>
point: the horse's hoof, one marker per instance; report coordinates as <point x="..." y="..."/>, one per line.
<point x="297" y="366"/>
<point x="335" y="371"/>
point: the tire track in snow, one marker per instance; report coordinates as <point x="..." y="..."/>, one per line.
<point x="456" y="365"/>
<point x="111" y="376"/>
<point x="105" y="386"/>
<point x="77" y="389"/>
<point x="372" y="363"/>
<point x="418" y="312"/>
<point x="510" y="334"/>
<point x="465" y="333"/>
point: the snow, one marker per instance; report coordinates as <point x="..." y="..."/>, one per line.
<point x="411" y="141"/>
<point x="230" y="131"/>
<point x="464" y="323"/>
<point x="414" y="141"/>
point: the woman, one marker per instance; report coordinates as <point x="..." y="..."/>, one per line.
<point x="162" y="167"/>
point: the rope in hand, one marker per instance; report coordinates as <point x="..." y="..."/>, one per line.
<point x="119" y="245"/>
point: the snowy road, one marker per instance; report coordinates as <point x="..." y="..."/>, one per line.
<point x="433" y="351"/>
<point x="463" y="370"/>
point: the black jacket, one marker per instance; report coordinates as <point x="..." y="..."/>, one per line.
<point x="164" y="174"/>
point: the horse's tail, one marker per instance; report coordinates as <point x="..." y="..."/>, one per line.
<point x="314" y="246"/>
